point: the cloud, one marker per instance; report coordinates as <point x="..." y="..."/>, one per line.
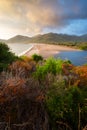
<point x="34" y="16"/>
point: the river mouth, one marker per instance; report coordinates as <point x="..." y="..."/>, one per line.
<point x="76" y="57"/>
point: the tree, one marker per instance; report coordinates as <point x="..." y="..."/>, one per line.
<point x="6" y="57"/>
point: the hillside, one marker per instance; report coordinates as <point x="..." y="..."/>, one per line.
<point x="48" y="38"/>
<point x="55" y="38"/>
<point x="18" y="38"/>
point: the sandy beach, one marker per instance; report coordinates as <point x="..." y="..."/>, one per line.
<point x="47" y="50"/>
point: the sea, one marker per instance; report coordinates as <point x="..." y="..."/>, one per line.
<point x="76" y="57"/>
<point x="19" y="48"/>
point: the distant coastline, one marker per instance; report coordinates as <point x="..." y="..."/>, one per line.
<point x="47" y="50"/>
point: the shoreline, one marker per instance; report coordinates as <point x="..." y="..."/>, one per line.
<point x="47" y="50"/>
<point x="24" y="52"/>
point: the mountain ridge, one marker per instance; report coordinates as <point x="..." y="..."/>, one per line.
<point x="47" y="38"/>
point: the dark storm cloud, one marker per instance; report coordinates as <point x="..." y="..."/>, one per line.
<point x="37" y="15"/>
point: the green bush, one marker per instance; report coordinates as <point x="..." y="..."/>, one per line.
<point x="37" y="57"/>
<point x="83" y="46"/>
<point x="52" y="65"/>
<point x="55" y="99"/>
<point x="65" y="104"/>
<point x="6" y="57"/>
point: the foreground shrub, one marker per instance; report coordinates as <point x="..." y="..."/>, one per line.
<point x="81" y="71"/>
<point x="6" y="57"/>
<point x="37" y="57"/>
<point x="21" y="103"/>
<point x="83" y="46"/>
<point x="26" y="102"/>
<point x="65" y="106"/>
<point x="22" y="68"/>
<point x="51" y="65"/>
<point x="26" y="58"/>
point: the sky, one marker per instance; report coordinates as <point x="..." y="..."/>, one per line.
<point x="33" y="17"/>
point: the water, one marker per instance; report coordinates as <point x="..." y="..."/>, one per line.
<point x="76" y="57"/>
<point x="19" y="48"/>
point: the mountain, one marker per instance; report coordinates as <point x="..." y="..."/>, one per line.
<point x="54" y="38"/>
<point x="84" y="37"/>
<point x="48" y="38"/>
<point x="18" y="39"/>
